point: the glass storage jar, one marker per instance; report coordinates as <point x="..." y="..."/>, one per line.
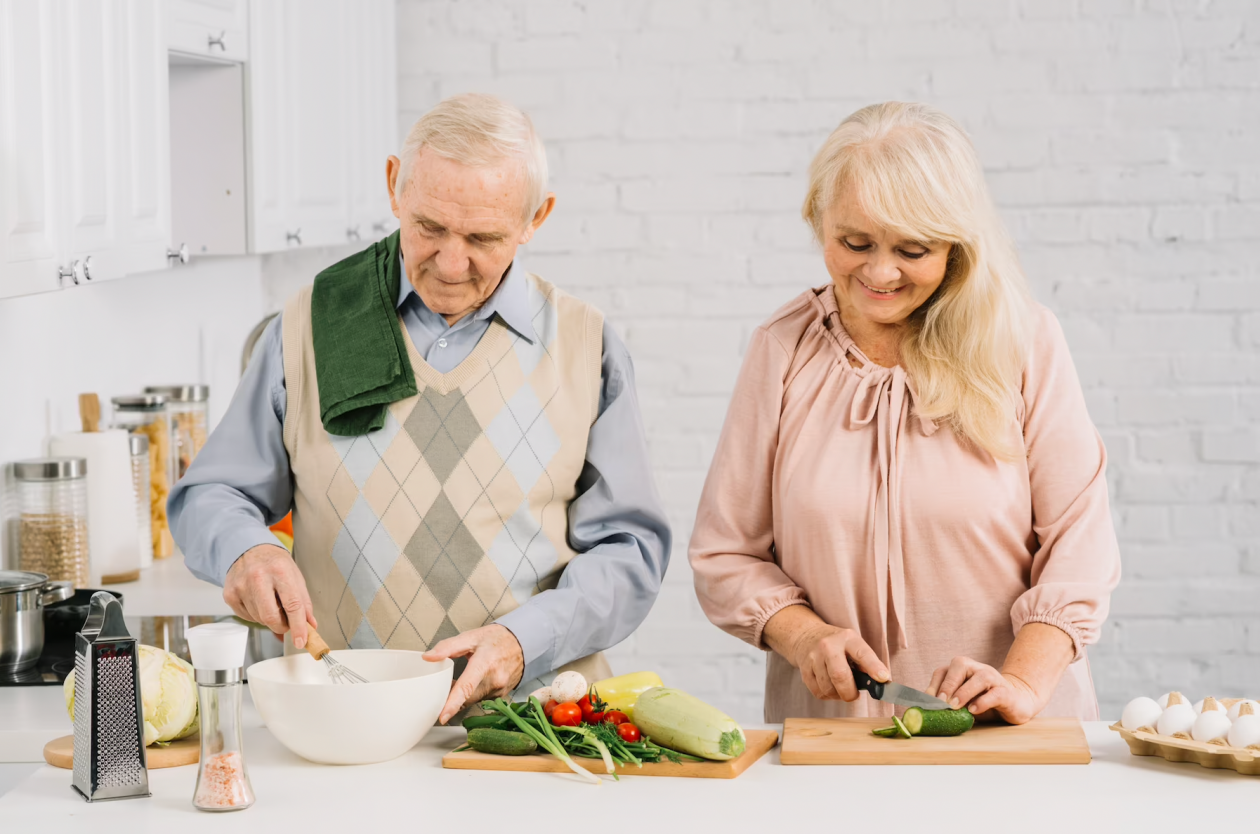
<point x="146" y="414"/>
<point x="140" y="480"/>
<point x="189" y="407"/>
<point x="50" y="514"/>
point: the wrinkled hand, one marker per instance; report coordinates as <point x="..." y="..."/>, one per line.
<point x="983" y="689"/>
<point x="822" y="654"/>
<point x="265" y="586"/>
<point x="495" y="666"/>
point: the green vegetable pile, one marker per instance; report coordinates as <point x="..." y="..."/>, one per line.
<point x="523" y="727"/>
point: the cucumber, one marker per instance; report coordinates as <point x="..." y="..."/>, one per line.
<point x="901" y="728"/>
<point x="501" y="742"/>
<point x="476" y="722"/>
<point x="938" y="722"/>
<point x="885" y="732"/>
<point x="682" y="722"/>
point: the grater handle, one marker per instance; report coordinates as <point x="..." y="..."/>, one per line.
<point x="316" y="645"/>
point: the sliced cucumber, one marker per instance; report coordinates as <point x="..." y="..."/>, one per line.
<point x="885" y="732"/>
<point x="938" y="722"/>
<point x="901" y="728"/>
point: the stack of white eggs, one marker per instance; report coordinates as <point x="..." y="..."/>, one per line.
<point x="1209" y="720"/>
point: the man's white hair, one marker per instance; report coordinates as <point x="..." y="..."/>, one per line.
<point x="480" y="130"/>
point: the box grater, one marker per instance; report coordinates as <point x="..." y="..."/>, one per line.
<point x="109" y="757"/>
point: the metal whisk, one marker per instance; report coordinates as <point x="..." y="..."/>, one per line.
<point x="320" y="651"/>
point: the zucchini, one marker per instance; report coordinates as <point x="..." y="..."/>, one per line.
<point x="938" y="722"/>
<point x="501" y="742"/>
<point x="682" y="722"/>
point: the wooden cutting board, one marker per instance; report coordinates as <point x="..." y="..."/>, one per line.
<point x="848" y="741"/>
<point x="60" y="753"/>
<point x="757" y="744"/>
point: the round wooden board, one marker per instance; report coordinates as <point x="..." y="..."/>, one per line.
<point x="60" y="753"/>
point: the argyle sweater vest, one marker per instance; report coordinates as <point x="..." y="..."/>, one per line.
<point x="456" y="511"/>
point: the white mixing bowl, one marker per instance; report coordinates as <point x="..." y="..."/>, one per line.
<point x="350" y="724"/>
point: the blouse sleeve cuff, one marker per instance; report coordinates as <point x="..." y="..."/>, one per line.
<point x="1078" y="643"/>
<point x="759" y="625"/>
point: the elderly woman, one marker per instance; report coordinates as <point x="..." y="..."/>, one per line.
<point x="908" y="480"/>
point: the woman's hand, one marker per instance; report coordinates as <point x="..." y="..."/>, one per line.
<point x="981" y="688"/>
<point x="823" y="652"/>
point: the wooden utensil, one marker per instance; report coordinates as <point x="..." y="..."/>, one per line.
<point x="836" y="741"/>
<point x="757" y="744"/>
<point x="90" y="413"/>
<point x="319" y="650"/>
<point x="60" y="753"/>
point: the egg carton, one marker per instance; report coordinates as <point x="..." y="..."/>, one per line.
<point x="1245" y="761"/>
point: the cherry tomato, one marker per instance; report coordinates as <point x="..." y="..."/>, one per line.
<point x="550" y="707"/>
<point x="628" y="732"/>
<point x="589" y="713"/>
<point x="567" y="715"/>
<point x="615" y="717"/>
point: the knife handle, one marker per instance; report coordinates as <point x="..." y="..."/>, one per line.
<point x="865" y="682"/>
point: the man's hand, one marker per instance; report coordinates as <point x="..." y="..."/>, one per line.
<point x="265" y="586"/>
<point x="495" y="666"/>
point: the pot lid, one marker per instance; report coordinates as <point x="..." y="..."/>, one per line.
<point x="21" y="580"/>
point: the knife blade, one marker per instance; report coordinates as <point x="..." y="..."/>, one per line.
<point x="895" y="693"/>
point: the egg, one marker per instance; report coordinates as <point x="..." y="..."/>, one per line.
<point x="1237" y="708"/>
<point x="1176" y="721"/>
<point x="1141" y="714"/>
<point x="1245" y="732"/>
<point x="1210" y="704"/>
<point x="1168" y="698"/>
<point x="1212" y="726"/>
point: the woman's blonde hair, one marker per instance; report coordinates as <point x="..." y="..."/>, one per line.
<point x="477" y="130"/>
<point x="913" y="170"/>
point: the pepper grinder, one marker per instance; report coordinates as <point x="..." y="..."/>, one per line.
<point x="218" y="656"/>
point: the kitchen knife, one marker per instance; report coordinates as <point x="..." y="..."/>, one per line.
<point x="895" y="693"/>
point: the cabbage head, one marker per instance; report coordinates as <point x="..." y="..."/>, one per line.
<point x="168" y="692"/>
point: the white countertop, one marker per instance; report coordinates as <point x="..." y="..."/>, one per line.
<point x="168" y="589"/>
<point x="1118" y="792"/>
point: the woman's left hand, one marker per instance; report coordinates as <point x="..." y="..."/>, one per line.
<point x="981" y="688"/>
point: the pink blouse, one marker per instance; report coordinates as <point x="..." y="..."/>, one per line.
<point x="827" y="490"/>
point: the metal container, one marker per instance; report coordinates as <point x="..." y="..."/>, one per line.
<point x="23" y="595"/>
<point x="50" y="517"/>
<point x="109" y="756"/>
<point x="189" y="407"/>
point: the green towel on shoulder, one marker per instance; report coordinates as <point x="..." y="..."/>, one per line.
<point x="360" y="353"/>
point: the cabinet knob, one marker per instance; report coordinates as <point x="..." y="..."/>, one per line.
<point x="212" y="41"/>
<point x="180" y="254"/>
<point x="82" y="269"/>
<point x="63" y="274"/>
<point x="293" y="237"/>
<point x="352" y="233"/>
<point x="379" y="227"/>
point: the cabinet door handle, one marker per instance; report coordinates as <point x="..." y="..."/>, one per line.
<point x="82" y="269"/>
<point x="293" y="237"/>
<point x="212" y="41"/>
<point x="352" y="233"/>
<point x="180" y="254"/>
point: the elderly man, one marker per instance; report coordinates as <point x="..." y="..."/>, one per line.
<point x="459" y="441"/>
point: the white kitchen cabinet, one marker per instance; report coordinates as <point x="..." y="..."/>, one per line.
<point x="211" y="28"/>
<point x="373" y="116"/>
<point x="31" y="52"/>
<point x="84" y="144"/>
<point x="298" y="86"/>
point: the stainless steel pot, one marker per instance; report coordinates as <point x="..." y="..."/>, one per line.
<point x="23" y="595"/>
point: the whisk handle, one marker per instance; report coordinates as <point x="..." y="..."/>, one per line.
<point x="316" y="645"/>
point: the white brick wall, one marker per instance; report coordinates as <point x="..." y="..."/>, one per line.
<point x="1120" y="137"/>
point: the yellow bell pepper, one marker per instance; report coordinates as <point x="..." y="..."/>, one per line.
<point x="621" y="692"/>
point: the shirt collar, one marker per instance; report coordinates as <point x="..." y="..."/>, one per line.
<point x="510" y="300"/>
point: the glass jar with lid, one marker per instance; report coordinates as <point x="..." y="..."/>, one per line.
<point x="141" y="477"/>
<point x="146" y="414"/>
<point x="49" y="502"/>
<point x="189" y="406"/>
